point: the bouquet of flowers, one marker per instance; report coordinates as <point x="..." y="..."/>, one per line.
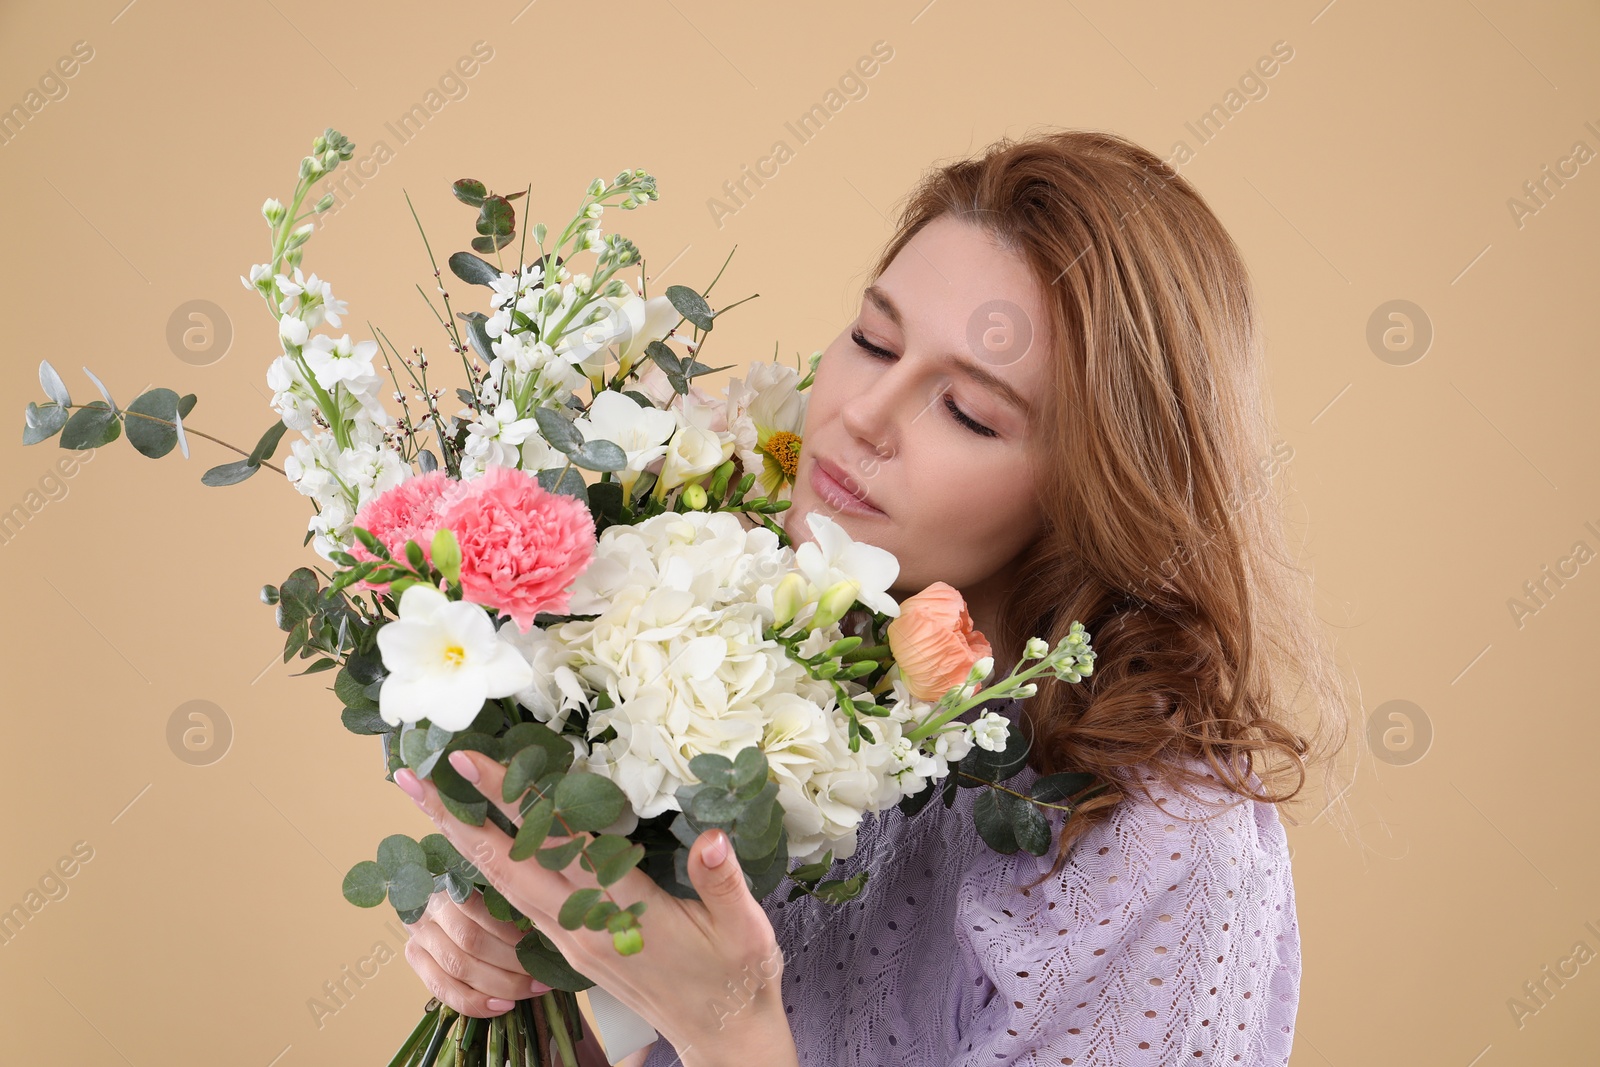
<point x="596" y="593"/>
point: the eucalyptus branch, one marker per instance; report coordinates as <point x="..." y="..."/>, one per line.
<point x="186" y="429"/>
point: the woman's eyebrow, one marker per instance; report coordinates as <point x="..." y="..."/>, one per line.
<point x="976" y="372"/>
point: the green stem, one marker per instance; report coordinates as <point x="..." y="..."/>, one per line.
<point x="558" y="1027"/>
<point x="981" y="696"/>
<point x="408" y="1051"/>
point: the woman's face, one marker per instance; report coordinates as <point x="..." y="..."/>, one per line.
<point x="942" y="456"/>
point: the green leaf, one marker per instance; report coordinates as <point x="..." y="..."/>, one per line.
<point x="496" y="217"/>
<point x="365" y="885"/>
<point x="472" y="270"/>
<point x="478" y="334"/>
<point x="469" y="191"/>
<point x="713" y="769"/>
<point x="539" y="957"/>
<point x="353" y="691"/>
<point x="598" y="455"/>
<point x="996" y="766"/>
<point x="911" y="805"/>
<point x="572" y="912"/>
<point x="714" y="805"/>
<point x="588" y="802"/>
<point x="229" y="473"/>
<point x="995" y="815"/>
<point x="398" y="850"/>
<point x="842" y="890"/>
<point x="153" y="439"/>
<point x="525" y="768"/>
<point x="91" y="426"/>
<point x="558" y="750"/>
<point x="691" y="305"/>
<point x="98" y="384"/>
<point x="297" y="598"/>
<point x="268" y="444"/>
<point x="489" y="245"/>
<point x="596" y="917"/>
<point x="52" y="384"/>
<point x="560" y="856"/>
<point x="570" y="482"/>
<point x="442" y="856"/>
<point x="535" y="828"/>
<point x="557" y="429"/>
<point x="749" y="767"/>
<point x="1031" y="829"/>
<point x="1053" y="788"/>
<point x="410" y="887"/>
<point x="42" y="422"/>
<point x="612" y="862"/>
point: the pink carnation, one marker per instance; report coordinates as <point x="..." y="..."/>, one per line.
<point x="408" y="512"/>
<point x="521" y="545"/>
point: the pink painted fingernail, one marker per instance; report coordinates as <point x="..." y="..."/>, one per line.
<point x="500" y="1004"/>
<point x="463" y="763"/>
<point x="406" y="779"/>
<point x="539" y="988"/>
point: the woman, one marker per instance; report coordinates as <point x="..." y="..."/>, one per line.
<point x="1050" y="400"/>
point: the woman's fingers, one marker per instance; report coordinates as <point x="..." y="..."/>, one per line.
<point x="478" y="909"/>
<point x="529" y="887"/>
<point x="467" y="984"/>
<point x="469" y="934"/>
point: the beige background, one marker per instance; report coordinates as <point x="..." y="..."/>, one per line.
<point x="1379" y="165"/>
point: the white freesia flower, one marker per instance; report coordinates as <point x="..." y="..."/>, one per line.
<point x="834" y="557"/>
<point x="693" y="452"/>
<point x="444" y="660"/>
<point x="334" y="361"/>
<point x="640" y="432"/>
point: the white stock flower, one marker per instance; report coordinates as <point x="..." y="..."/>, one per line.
<point x="313" y="297"/>
<point x="371" y="470"/>
<point x="495" y="438"/>
<point x="292" y="397"/>
<point x="990" y="731"/>
<point x="293" y="331"/>
<point x="334" y="361"/>
<point x="444" y="660"/>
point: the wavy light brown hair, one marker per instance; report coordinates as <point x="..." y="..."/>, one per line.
<point x="1163" y="526"/>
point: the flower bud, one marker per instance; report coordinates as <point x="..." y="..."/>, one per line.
<point x="324" y="204"/>
<point x="836" y="600"/>
<point x="981" y="669"/>
<point x="597" y="187"/>
<point x="1023" y="692"/>
<point x="694" y="497"/>
<point x="272" y="211"/>
<point x="1037" y="648"/>
<point x="788" y="598"/>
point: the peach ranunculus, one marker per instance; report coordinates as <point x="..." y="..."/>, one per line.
<point x="934" y="643"/>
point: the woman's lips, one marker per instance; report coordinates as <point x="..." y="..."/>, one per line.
<point x="829" y="483"/>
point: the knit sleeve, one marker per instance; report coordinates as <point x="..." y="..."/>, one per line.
<point x="1161" y="942"/>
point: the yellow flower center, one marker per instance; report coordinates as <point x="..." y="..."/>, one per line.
<point x="784" y="447"/>
<point x="454" y="655"/>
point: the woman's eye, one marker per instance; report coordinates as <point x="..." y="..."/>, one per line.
<point x="950" y="405"/>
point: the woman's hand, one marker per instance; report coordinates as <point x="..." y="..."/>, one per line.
<point x="709" y="975"/>
<point x="468" y="959"/>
